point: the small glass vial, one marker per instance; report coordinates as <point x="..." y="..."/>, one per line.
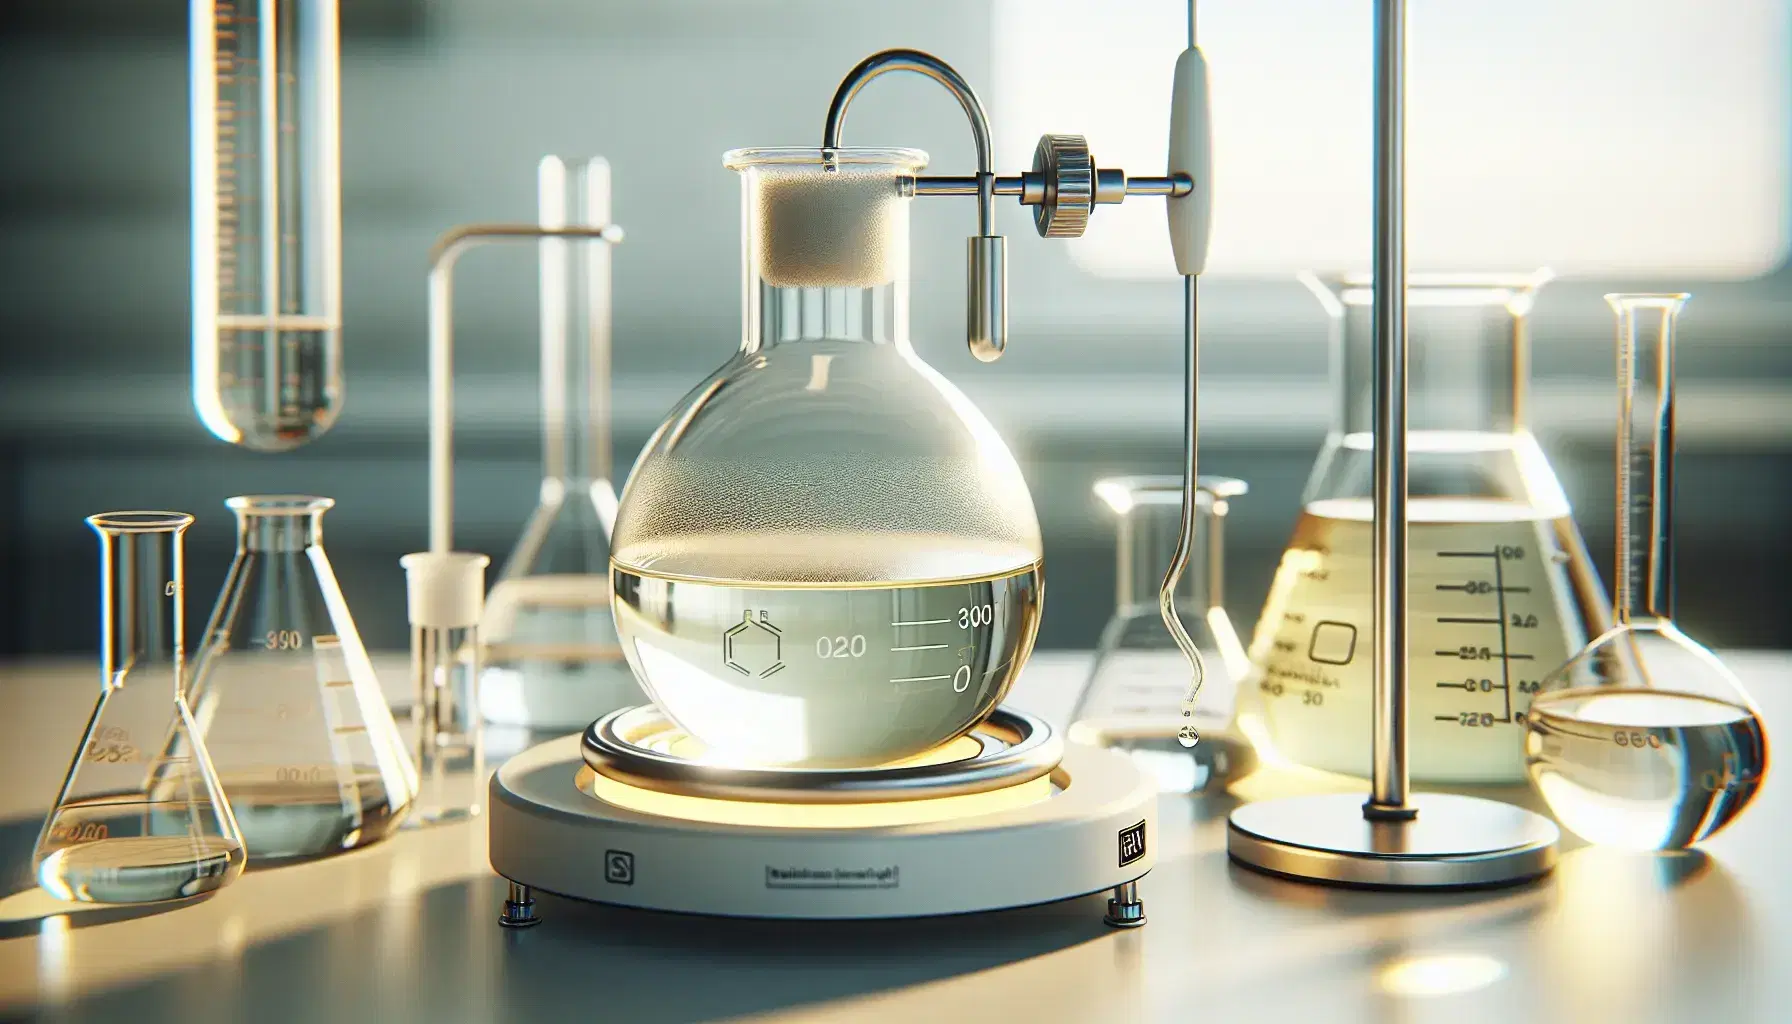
<point x="447" y="598"/>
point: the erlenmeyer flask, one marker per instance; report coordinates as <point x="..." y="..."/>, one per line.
<point x="286" y="700"/>
<point x="1133" y="698"/>
<point x="826" y="555"/>
<point x="1500" y="587"/>
<point x="1644" y="739"/>
<point x="141" y="817"/>
<point x="551" y="655"/>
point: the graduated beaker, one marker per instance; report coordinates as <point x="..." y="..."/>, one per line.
<point x="141" y="816"/>
<point x="826" y="555"/>
<point x="1645" y="739"/>
<point x="551" y="655"/>
<point x="1500" y="587"/>
<point x="1139" y="679"/>
<point x="285" y="696"/>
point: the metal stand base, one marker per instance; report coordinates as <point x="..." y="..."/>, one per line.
<point x="1455" y="842"/>
<point x="519" y="908"/>
<point x="1125" y="910"/>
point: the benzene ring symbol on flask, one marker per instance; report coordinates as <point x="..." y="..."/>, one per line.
<point x="752" y="643"/>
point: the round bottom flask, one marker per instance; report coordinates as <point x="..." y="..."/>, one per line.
<point x="826" y="555"/>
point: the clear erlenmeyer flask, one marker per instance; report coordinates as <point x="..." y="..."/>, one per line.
<point x="141" y="816"/>
<point x="1644" y="739"/>
<point x="1500" y="587"/>
<point x="1133" y="698"/>
<point x="286" y="700"/>
<point x="826" y="555"/>
<point x="552" y="659"/>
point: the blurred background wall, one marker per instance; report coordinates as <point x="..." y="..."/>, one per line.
<point x="447" y="104"/>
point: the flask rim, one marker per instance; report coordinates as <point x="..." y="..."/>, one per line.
<point x="140" y="522"/>
<point x="278" y="504"/>
<point x="896" y="158"/>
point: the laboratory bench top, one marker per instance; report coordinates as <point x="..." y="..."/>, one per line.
<point x="406" y="930"/>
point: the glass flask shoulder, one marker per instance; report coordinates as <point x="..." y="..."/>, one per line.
<point x="826" y="462"/>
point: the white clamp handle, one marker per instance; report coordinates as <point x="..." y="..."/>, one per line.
<point x="1191" y="153"/>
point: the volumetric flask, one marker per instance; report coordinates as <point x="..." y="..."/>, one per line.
<point x="267" y="220"/>
<point x="1499" y="585"/>
<point x="141" y="816"/>
<point x="286" y="699"/>
<point x="552" y="660"/>
<point x="1139" y="680"/>
<point x="826" y="555"/>
<point x="1644" y="739"/>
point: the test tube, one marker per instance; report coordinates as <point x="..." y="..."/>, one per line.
<point x="267" y="220"/>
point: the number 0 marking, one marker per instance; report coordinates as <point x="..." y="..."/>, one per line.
<point x="961" y="679"/>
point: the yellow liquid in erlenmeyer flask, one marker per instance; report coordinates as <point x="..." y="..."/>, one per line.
<point x="1643" y="768"/>
<point x="1499" y="594"/>
<point x="782" y="671"/>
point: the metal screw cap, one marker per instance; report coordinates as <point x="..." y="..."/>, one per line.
<point x="1063" y="161"/>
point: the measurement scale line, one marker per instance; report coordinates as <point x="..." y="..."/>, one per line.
<point x="1468" y="554"/>
<point x="923" y="622"/>
<point x="1452" y="586"/>
<point x="922" y="647"/>
<point x="1499" y="591"/>
<point x="919" y="679"/>
<point x="1515" y="590"/>
<point x="1444" y="718"/>
<point x="1467" y="621"/>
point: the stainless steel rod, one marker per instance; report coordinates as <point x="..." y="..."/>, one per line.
<point x="1185" y="538"/>
<point x="1015" y="185"/>
<point x="1388" y="798"/>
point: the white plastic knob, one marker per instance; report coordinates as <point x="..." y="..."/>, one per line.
<point x="1191" y="153"/>
<point x="445" y="589"/>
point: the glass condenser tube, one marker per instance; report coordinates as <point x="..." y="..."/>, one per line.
<point x="267" y="220"/>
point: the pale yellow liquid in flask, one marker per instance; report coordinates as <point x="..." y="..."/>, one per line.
<point x="1498" y="596"/>
<point x="828" y="673"/>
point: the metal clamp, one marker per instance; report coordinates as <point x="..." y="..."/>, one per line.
<point x="1064" y="186"/>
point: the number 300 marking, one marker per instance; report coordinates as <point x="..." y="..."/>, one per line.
<point x="976" y="615"/>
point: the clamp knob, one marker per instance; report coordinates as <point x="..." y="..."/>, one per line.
<point x="1063" y="166"/>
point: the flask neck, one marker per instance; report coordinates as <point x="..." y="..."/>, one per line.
<point x="1469" y="361"/>
<point x="824" y="254"/>
<point x="778" y="316"/>
<point x="293" y="531"/>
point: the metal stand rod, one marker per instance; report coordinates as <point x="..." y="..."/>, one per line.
<point x="519" y="908"/>
<point x="1395" y="839"/>
<point x="1387" y="798"/>
<point x="1125" y="909"/>
<point x="442" y="258"/>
